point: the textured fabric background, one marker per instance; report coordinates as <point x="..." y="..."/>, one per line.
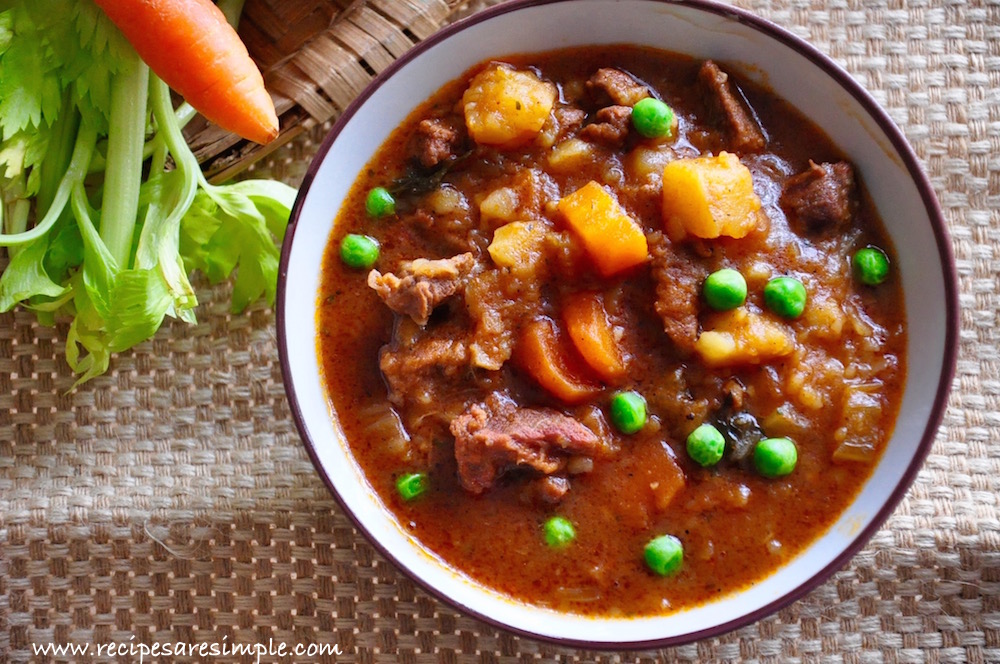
<point x="171" y="500"/>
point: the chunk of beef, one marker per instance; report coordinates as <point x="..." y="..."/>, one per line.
<point x="615" y="86"/>
<point x="430" y="377"/>
<point x="495" y="436"/>
<point x="407" y="369"/>
<point x="437" y="141"/>
<point x="422" y="284"/>
<point x="728" y="106"/>
<point x="569" y="119"/>
<point x="426" y="381"/>
<point x="821" y="198"/>
<point x="678" y="285"/>
<point x="610" y="127"/>
<point x="454" y="231"/>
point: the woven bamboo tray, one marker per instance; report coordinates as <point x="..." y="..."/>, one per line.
<point x="316" y="56"/>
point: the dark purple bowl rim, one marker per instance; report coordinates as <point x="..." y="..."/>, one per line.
<point x="945" y="255"/>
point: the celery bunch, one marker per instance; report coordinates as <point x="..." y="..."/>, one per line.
<point x="105" y="210"/>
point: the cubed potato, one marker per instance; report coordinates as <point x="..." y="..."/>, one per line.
<point x="645" y="163"/>
<point x="570" y="155"/>
<point x="491" y="300"/>
<point x="505" y="107"/>
<point x="656" y="483"/>
<point x="520" y="199"/>
<point x="825" y="318"/>
<point x="548" y="134"/>
<point x="518" y="245"/>
<point x="447" y="200"/>
<point x="742" y="337"/>
<point x="500" y="204"/>
<point x="708" y="197"/>
<point x="611" y="238"/>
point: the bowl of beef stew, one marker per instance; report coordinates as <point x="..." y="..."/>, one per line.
<point x="617" y="323"/>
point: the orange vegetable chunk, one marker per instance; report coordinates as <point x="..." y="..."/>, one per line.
<point x="189" y="45"/>
<point x="540" y="352"/>
<point x="593" y="335"/>
<point x="656" y="481"/>
<point x="708" y="197"/>
<point x="668" y="480"/>
<point x="612" y="239"/>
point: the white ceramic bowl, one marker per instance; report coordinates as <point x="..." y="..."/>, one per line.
<point x="795" y="71"/>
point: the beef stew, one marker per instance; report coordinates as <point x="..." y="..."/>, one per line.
<point x="537" y="333"/>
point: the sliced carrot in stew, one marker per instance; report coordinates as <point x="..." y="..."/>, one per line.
<point x="613" y="240"/>
<point x="669" y="481"/>
<point x="542" y="354"/>
<point x="593" y="335"/>
<point x="644" y="484"/>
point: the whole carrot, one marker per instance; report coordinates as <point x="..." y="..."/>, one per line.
<point x="189" y="45"/>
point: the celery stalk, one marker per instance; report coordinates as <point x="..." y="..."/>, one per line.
<point x="123" y="174"/>
<point x="83" y="148"/>
<point x="184" y="114"/>
<point x="60" y="151"/>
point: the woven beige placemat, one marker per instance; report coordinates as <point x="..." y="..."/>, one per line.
<point x="171" y="500"/>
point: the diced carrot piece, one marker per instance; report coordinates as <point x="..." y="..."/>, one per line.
<point x="541" y="354"/>
<point x="669" y="481"/>
<point x="506" y="108"/>
<point x="612" y="239"/>
<point x="593" y="335"/>
<point x="709" y="196"/>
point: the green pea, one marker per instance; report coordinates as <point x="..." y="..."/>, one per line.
<point x="775" y="457"/>
<point x="358" y="251"/>
<point x="664" y="555"/>
<point x="652" y="118"/>
<point x="725" y="289"/>
<point x="870" y="266"/>
<point x="412" y="485"/>
<point x="706" y="445"/>
<point x="559" y="532"/>
<point x="380" y="203"/>
<point x="785" y="296"/>
<point x="628" y="411"/>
